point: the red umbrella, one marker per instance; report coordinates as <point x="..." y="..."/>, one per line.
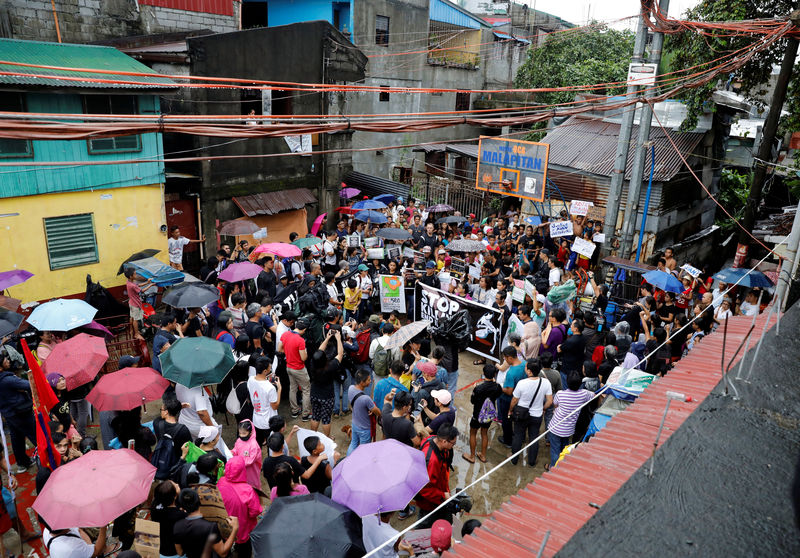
<point x="78" y="359"/>
<point x="96" y="489"/>
<point x="127" y="389"/>
<point x="347" y="210"/>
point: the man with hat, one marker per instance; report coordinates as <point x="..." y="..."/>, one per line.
<point x="430" y="278"/>
<point x="293" y="345"/>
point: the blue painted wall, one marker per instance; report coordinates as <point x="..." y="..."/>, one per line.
<point x="286" y="12"/>
<point x="21" y="181"/>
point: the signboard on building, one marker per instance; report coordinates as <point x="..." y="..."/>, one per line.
<point x="642" y="74"/>
<point x="512" y="167"/>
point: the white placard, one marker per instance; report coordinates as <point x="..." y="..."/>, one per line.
<point x="599" y="238"/>
<point x="530" y="289"/>
<point x="353" y="241"/>
<point x="584" y="247"/>
<point x="693" y="271"/>
<point x="372" y="242"/>
<point x="375" y="253"/>
<point x="475" y="271"/>
<point x="518" y="293"/>
<point x="560" y="228"/>
<point x="408" y="252"/>
<point x="579" y="207"/>
<point x="329" y="444"/>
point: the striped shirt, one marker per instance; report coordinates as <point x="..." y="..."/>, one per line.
<point x="567" y="401"/>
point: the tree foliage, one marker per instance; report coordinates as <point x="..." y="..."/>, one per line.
<point x="597" y="55"/>
<point x="690" y="49"/>
<point x="734" y="187"/>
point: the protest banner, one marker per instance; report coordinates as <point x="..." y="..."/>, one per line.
<point x="375" y="253"/>
<point x="518" y="293"/>
<point x="353" y="241"/>
<point x="560" y="228"/>
<point x="392" y="293"/>
<point x="436" y="305"/>
<point x="693" y="271"/>
<point x="579" y="207"/>
<point x="584" y="247"/>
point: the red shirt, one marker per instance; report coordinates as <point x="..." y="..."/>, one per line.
<point x="293" y="343"/>
<point x="134" y="296"/>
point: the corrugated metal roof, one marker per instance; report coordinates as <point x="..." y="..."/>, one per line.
<point x="430" y="147"/>
<point x="447" y="12"/>
<point x="373" y="185"/>
<point x="72" y="56"/>
<point x="270" y="203"/>
<point x="590" y="145"/>
<point x="465" y="149"/>
<point x="564" y="499"/>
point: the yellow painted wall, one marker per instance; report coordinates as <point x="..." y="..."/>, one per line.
<point x="126" y="220"/>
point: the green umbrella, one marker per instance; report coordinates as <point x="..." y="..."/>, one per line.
<point x="197" y="361"/>
<point x="307" y="242"/>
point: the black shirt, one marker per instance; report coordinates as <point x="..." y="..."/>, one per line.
<point x="267" y="281"/>
<point x="270" y="463"/>
<point x="482" y="392"/>
<point x="318" y="481"/>
<point x="400" y="429"/>
<point x="322" y="381"/>
<point x="572" y="353"/>
<point x="254" y="330"/>
<point x="430" y="280"/>
<point x="166" y="518"/>
<point x="192" y="532"/>
<point x="195" y="326"/>
<point x="180" y="435"/>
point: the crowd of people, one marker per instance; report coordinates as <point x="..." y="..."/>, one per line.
<point x="310" y="329"/>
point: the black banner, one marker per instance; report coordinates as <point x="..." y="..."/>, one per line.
<point x="435" y="305"/>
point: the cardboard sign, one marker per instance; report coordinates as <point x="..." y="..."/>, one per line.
<point x="327" y="443"/>
<point x="475" y="271"/>
<point x="693" y="271"/>
<point x="353" y="241"/>
<point x="599" y="238"/>
<point x="372" y="242"/>
<point x="147" y="538"/>
<point x="374" y="253"/>
<point x="518" y="293"/>
<point x="530" y="289"/>
<point x="579" y="207"/>
<point x="393" y="252"/>
<point x="436" y="305"/>
<point x="584" y="247"/>
<point x="560" y="228"/>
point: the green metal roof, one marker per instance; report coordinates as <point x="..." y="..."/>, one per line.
<point x="71" y="56"/>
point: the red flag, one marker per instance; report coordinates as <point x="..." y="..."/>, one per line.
<point x="45" y="449"/>
<point x="43" y="397"/>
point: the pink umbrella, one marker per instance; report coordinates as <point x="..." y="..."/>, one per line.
<point x="347" y="193"/>
<point x="94" y="490"/>
<point x="318" y="224"/>
<point x="127" y="389"/>
<point x="240" y="272"/>
<point x="280" y="249"/>
<point x="94" y="328"/>
<point x="78" y="359"/>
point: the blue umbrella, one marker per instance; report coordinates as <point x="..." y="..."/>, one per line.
<point x="385" y="198"/>
<point x="371" y="216"/>
<point x="62" y="314"/>
<point x="664" y="281"/>
<point x="369" y="204"/>
<point x="749" y="277"/>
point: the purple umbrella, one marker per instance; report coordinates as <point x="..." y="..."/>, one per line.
<point x="240" y="272"/>
<point x="379" y="477"/>
<point x="94" y="328"/>
<point x="347" y="193"/>
<point x="13" y="277"/>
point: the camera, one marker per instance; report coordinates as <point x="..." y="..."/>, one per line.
<point x="461" y="503"/>
<point x="416" y="412"/>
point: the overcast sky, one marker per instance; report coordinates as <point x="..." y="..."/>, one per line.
<point x="576" y="11"/>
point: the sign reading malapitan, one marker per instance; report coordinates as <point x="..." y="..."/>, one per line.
<point x="512" y="167"/>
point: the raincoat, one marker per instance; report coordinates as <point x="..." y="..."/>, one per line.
<point x="240" y="498"/>
<point x="250" y="451"/>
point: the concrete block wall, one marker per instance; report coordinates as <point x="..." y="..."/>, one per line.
<point x="84" y="21"/>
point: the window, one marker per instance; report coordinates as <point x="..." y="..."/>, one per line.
<point x="250" y="99"/>
<point x="112" y="104"/>
<point x="383" y="96"/>
<point x="70" y="240"/>
<point x="381" y="30"/>
<point x="13" y="102"/>
<point x="282" y="102"/>
<point x="462" y="100"/>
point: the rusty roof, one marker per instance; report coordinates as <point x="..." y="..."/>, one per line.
<point x="270" y="203"/>
<point x="590" y="145"/>
<point x="563" y="500"/>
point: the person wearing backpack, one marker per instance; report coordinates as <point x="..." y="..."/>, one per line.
<point x="484" y="411"/>
<point x="531" y="397"/>
<point x="380" y="357"/>
<point x="170" y="436"/>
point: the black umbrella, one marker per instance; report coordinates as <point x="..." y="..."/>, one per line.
<point x="394" y="234"/>
<point x="9" y="322"/>
<point x="190" y="295"/>
<point x="308" y="526"/>
<point x="451" y="219"/>
<point x="148" y="253"/>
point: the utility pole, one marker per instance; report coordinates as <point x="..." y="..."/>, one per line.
<point x="765" y="149"/>
<point x="637" y="169"/>
<point x="623" y="143"/>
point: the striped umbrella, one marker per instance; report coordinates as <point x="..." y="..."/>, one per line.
<point x="406" y="334"/>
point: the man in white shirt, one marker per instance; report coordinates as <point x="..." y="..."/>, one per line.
<point x="74" y="543"/>
<point x="265" y="396"/>
<point x="285" y="324"/>
<point x="329" y="248"/>
<point x="377" y="531"/>
<point x="554" y="277"/>
<point x="175" y="244"/>
<point x="535" y="394"/>
<point x="718" y="294"/>
<point x="386" y="331"/>
<point x="750" y="305"/>
<point x="197" y="412"/>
